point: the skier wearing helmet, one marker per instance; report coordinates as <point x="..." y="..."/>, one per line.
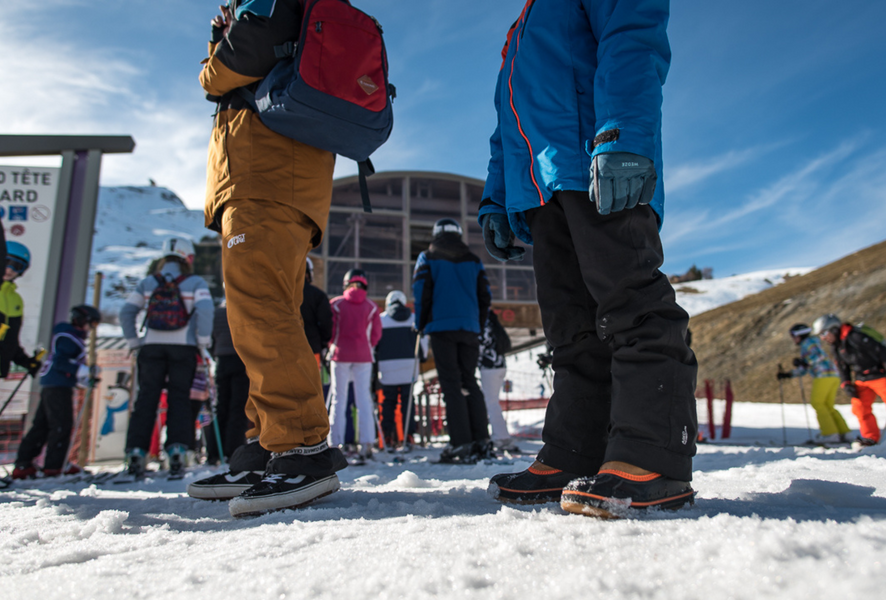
<point x="397" y="367"/>
<point x="452" y="300"/>
<point x="861" y="366"/>
<point x="356" y="330"/>
<point x="177" y="325"/>
<point x="12" y="308"/>
<point x="815" y="361"/>
<point x="64" y="370"/>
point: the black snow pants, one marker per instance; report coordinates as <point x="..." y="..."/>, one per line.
<point x="456" y="354"/>
<point x="233" y="390"/>
<point x="624" y="378"/>
<point x="52" y="427"/>
<point x="160" y="366"/>
<point x="392" y="395"/>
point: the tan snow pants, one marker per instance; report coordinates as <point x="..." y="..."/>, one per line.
<point x="264" y="246"/>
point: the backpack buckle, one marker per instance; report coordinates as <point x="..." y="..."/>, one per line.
<point x="286" y="50"/>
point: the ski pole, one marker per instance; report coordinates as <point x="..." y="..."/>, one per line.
<point x="784" y="430"/>
<point x="805" y="406"/>
<point x="410" y="395"/>
<point x="38" y="355"/>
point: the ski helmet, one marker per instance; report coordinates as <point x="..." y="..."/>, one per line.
<point x="85" y="315"/>
<point x="18" y="257"/>
<point x="395" y="297"/>
<point x="800" y="330"/>
<point x="180" y="247"/>
<point x="356" y="276"/>
<point x="826" y="323"/>
<point x="447" y="226"/>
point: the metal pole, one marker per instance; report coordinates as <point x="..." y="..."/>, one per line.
<point x="784" y="430"/>
<point x="86" y="412"/>
<point x="805" y="407"/>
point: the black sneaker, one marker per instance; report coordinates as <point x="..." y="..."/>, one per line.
<point x="536" y="485"/>
<point x="292" y="480"/>
<point x="248" y="464"/>
<point x="224" y="486"/>
<point x="610" y="494"/>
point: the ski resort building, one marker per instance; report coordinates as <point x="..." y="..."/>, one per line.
<point x="387" y="242"/>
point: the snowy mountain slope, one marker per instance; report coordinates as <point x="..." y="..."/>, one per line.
<point x="706" y="294"/>
<point x="130" y="226"/>
<point x="769" y="522"/>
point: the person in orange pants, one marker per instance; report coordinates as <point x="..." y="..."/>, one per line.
<point x="861" y="364"/>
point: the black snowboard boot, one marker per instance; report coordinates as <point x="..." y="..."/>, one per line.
<point x="611" y="494"/>
<point x="536" y="485"/>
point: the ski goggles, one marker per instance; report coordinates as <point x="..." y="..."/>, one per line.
<point x="16" y="264"/>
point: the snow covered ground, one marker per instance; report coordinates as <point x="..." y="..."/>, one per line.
<point x="769" y="522"/>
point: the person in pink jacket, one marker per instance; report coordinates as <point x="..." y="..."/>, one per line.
<point x="356" y="329"/>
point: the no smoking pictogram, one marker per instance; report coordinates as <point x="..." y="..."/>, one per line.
<point x="40" y="213"/>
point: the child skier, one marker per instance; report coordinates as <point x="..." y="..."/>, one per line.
<point x="861" y="365"/>
<point x="18" y="259"/>
<point x="397" y="367"/>
<point x="825" y="383"/>
<point x="356" y="330"/>
<point x="178" y="319"/>
<point x="65" y="369"/>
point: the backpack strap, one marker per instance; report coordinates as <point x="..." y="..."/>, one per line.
<point x="365" y="169"/>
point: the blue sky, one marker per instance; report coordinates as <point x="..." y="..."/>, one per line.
<point x="774" y="112"/>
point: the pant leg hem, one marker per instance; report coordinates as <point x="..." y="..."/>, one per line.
<point x="571" y="462"/>
<point x="653" y="458"/>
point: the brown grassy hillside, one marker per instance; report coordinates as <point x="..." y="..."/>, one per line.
<point x="744" y="341"/>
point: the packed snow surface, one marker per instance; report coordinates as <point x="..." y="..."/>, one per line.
<point x="769" y="522"/>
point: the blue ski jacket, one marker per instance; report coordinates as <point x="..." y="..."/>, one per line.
<point x="68" y="352"/>
<point x="450" y="287"/>
<point x="578" y="78"/>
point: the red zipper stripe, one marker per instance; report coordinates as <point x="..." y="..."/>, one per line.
<point x="519" y="124"/>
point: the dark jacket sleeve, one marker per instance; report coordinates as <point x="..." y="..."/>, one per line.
<point x="484" y="297"/>
<point x="19" y="356"/>
<point x="324" y="319"/>
<point x="66" y="356"/>
<point x="246" y="54"/>
<point x="423" y="291"/>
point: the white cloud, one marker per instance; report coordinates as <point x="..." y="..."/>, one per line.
<point x="53" y="87"/>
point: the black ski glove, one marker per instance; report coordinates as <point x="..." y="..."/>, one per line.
<point x="621" y="180"/>
<point x="34" y="367"/>
<point x="800" y="363"/>
<point x="499" y="238"/>
<point x="850" y="389"/>
<point x="784" y="375"/>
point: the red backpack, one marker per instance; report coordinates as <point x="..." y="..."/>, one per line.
<point x="330" y="89"/>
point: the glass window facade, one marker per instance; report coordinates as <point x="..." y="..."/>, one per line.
<point x="387" y="242"/>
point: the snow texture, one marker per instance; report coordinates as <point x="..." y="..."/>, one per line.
<point x="769" y="522"/>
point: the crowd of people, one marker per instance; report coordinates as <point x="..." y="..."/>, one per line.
<point x="575" y="171"/>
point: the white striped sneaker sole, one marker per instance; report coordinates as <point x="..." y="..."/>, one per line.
<point x="245" y="507"/>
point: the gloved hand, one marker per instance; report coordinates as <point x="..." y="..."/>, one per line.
<point x="784" y="375"/>
<point x="850" y="389"/>
<point x="34" y="367"/>
<point x="500" y="239"/>
<point x="800" y="363"/>
<point x="621" y="180"/>
<point x="220" y="24"/>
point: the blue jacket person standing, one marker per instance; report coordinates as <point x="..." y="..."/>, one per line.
<point x="575" y="170"/>
<point x="451" y="302"/>
<point x="63" y="371"/>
